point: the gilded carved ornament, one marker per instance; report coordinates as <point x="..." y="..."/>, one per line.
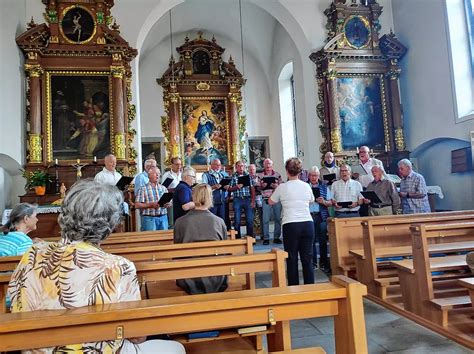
<point x="34" y="70"/>
<point x="399" y="140"/>
<point x="120" y="146"/>
<point x="117" y="71"/>
<point x="394" y="73"/>
<point x="35" y="148"/>
<point x="203" y="86"/>
<point x="336" y="140"/>
<point x="32" y="56"/>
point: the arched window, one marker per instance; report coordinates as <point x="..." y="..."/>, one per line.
<point x="461" y="50"/>
<point x="288" y="111"/>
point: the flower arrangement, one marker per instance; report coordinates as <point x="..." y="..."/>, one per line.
<point x="35" y="179"/>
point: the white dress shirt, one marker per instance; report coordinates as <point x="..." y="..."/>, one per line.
<point x="108" y="177"/>
<point x="175" y="176"/>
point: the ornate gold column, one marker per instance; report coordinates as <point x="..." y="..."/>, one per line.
<point x="234" y="128"/>
<point x="34" y="72"/>
<point x="334" y="121"/>
<point x="174" y="121"/>
<point x="118" y="72"/>
<point x="393" y="74"/>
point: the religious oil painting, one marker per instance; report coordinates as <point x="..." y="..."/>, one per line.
<point x="204" y="130"/>
<point x="258" y="151"/>
<point x="78" y="109"/>
<point x="360" y="112"/>
<point x="77" y="25"/>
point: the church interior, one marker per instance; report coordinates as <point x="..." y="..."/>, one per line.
<point x="268" y="79"/>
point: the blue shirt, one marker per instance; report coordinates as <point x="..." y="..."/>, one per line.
<point x="140" y="180"/>
<point x="182" y="194"/>
<point x="414" y="183"/>
<point x="15" y="243"/>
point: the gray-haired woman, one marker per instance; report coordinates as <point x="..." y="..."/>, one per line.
<point x="76" y="272"/>
<point x="15" y="240"/>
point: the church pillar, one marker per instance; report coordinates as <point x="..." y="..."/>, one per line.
<point x="118" y="72"/>
<point x="34" y="72"/>
<point x="334" y="121"/>
<point x="174" y="139"/>
<point x="234" y="127"/>
<point x="393" y="75"/>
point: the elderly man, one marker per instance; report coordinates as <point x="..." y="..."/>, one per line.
<point x="347" y="190"/>
<point x="329" y="167"/>
<point x="319" y="213"/>
<point x="267" y="209"/>
<point x="108" y="175"/>
<point x="213" y="177"/>
<point x="413" y="192"/>
<point x="142" y="178"/>
<point x="386" y="192"/>
<point x="147" y="200"/>
<point x="183" y="194"/>
<point x="367" y="162"/>
<point x="257" y="210"/>
<point x="243" y="198"/>
<point x="175" y="174"/>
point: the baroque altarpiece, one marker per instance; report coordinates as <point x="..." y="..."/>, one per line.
<point x="78" y="90"/>
<point x="202" y="99"/>
<point x="357" y="74"/>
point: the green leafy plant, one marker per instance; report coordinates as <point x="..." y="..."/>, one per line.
<point x="36" y="178"/>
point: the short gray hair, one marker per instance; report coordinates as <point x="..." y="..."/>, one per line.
<point x="90" y="211"/>
<point x="405" y="162"/>
<point x="188" y="171"/>
<point x="313" y="169"/>
<point x="149" y="163"/>
<point x="17" y="215"/>
<point x="347" y="166"/>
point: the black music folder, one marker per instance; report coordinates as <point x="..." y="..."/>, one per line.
<point x="329" y="177"/>
<point x="244" y="180"/>
<point x="225" y="181"/>
<point x="269" y="180"/>
<point x="344" y="204"/>
<point x="372" y="196"/>
<point x="166" y="183"/>
<point x="316" y="193"/>
<point x="165" y="198"/>
<point x="123" y="182"/>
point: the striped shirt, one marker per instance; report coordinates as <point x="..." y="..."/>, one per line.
<point x="15" y="243"/>
<point x="347" y="192"/>
<point x="414" y="183"/>
<point x="244" y="192"/>
<point x="151" y="193"/>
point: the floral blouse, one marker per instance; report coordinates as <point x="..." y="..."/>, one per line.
<point x="57" y="275"/>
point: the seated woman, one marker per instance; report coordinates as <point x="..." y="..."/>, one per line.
<point x="197" y="225"/>
<point x="15" y="240"/>
<point x="75" y="272"/>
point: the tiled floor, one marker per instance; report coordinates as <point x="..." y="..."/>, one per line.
<point x="386" y="331"/>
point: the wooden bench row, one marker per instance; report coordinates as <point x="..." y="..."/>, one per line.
<point x="346" y="234"/>
<point x="342" y="298"/>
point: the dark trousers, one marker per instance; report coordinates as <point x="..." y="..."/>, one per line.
<point x="298" y="238"/>
<point x="218" y="210"/>
<point x="239" y="204"/>
<point x="321" y="237"/>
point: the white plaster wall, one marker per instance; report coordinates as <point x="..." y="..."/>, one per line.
<point x="12" y="23"/>
<point x="426" y="90"/>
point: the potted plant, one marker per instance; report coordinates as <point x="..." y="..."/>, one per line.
<point x="37" y="180"/>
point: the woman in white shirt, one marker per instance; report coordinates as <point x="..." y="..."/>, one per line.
<point x="298" y="228"/>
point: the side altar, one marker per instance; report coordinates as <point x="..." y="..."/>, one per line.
<point x="202" y="99"/>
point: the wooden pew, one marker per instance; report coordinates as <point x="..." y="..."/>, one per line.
<point x="421" y="295"/>
<point x="341" y="298"/>
<point x="468" y="283"/>
<point x="143" y="238"/>
<point x="233" y="247"/>
<point x="347" y="234"/>
<point x="379" y="242"/>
